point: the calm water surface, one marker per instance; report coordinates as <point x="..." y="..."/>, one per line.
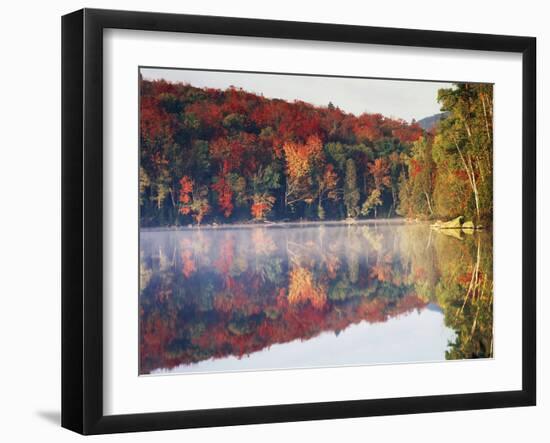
<point x="246" y="298"/>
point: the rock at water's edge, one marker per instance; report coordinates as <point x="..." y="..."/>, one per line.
<point x="452" y="224"/>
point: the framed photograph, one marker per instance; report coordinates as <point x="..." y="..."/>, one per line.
<point x="269" y="221"/>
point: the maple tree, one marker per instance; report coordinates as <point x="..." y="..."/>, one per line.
<point x="303" y="164"/>
<point x="192" y="201"/>
<point x="327" y="188"/>
<point x="225" y="195"/>
<point x="261" y="205"/>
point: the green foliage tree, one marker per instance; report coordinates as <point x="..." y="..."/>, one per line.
<point x="416" y="194"/>
<point x="351" y="191"/>
<point x="371" y="202"/>
<point x="449" y="171"/>
<point x="464" y="146"/>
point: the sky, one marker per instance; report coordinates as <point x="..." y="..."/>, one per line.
<point x="392" y="98"/>
<point x="420" y="336"/>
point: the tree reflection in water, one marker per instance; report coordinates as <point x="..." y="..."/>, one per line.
<point x="216" y="293"/>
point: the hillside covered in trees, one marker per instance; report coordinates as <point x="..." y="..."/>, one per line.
<point x="227" y="156"/>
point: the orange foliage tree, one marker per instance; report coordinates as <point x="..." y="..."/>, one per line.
<point x="304" y="165"/>
<point x="193" y="201"/>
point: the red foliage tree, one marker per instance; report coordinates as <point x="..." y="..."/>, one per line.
<point x="225" y="196"/>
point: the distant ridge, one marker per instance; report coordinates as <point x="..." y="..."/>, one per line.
<point x="428" y="123"/>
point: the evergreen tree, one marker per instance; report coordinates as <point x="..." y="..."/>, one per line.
<point x="351" y="191"/>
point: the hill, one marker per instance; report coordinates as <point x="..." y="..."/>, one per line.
<point x="428" y="123"/>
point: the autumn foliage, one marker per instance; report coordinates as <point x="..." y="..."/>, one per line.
<point x="231" y="155"/>
<point x="249" y="157"/>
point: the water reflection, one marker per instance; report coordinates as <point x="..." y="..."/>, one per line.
<point x="257" y="297"/>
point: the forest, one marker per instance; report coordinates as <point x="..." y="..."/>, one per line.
<point x="232" y="156"/>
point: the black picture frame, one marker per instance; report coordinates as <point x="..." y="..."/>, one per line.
<point x="82" y="216"/>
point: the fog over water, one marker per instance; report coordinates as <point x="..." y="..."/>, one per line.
<point x="316" y="295"/>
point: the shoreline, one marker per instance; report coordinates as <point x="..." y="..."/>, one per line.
<point x="283" y="225"/>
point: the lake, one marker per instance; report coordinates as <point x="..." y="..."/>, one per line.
<point x="237" y="298"/>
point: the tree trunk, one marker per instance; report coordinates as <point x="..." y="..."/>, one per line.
<point x="471" y="177"/>
<point x="429" y="204"/>
<point x="174" y="207"/>
<point x="486" y="119"/>
<point x="474" y="185"/>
